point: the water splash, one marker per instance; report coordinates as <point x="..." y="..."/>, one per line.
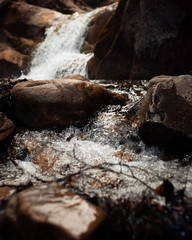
<point x="59" y="54"/>
<point x="99" y="159"/>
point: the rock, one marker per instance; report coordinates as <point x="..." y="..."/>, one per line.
<point x="52" y="212"/>
<point x="4" y="3"/>
<point x="64" y="6"/>
<point x="166" y="113"/>
<point x="95" y="27"/>
<point x="12" y="62"/>
<point x="99" y="3"/>
<point x="22" y="29"/>
<point x="6" y="193"/>
<point x="6" y="104"/>
<point x="60" y="102"/>
<point x="6" y="127"/>
<point x="144" y="39"/>
<point x="46" y="160"/>
<point x="9" y="69"/>
<point x="76" y="76"/>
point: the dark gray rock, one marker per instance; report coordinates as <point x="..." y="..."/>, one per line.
<point x="166" y="112"/>
<point x="145" y="39"/>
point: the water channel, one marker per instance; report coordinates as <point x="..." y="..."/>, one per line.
<point x="104" y="158"/>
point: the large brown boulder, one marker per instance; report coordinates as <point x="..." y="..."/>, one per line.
<point x="22" y="28"/>
<point x="144" y="39"/>
<point x="166" y="113"/>
<point x="6" y="127"/>
<point x="99" y="3"/>
<point x="60" y="102"/>
<point x="52" y="212"/>
<point x="95" y="26"/>
<point x="64" y="6"/>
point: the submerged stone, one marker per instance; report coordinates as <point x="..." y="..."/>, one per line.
<point x="52" y="212"/>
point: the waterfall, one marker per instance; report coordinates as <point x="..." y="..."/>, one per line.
<point x="106" y="156"/>
<point x="59" y="54"/>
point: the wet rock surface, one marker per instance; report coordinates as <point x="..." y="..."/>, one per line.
<point x="6" y="103"/>
<point x="95" y="27"/>
<point x="144" y="39"/>
<point x="165" y="114"/>
<point x="6" y="192"/>
<point x="99" y="3"/>
<point x="6" y="127"/>
<point x="64" y="6"/>
<point x="52" y="212"/>
<point x="106" y="163"/>
<point x="60" y="102"/>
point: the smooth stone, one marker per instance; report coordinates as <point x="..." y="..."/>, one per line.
<point x="52" y="212"/>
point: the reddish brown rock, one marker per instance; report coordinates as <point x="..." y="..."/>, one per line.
<point x="22" y="29"/>
<point x="6" y="127"/>
<point x="52" y="212"/>
<point x="96" y="25"/>
<point x="144" y="39"/>
<point x="60" y="102"/>
<point x="99" y="3"/>
<point x="64" y="6"/>
<point x="6" y="104"/>
<point x="76" y="76"/>
<point x="165" y="116"/>
<point x="6" y="193"/>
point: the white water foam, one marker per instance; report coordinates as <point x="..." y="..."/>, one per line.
<point x="59" y="54"/>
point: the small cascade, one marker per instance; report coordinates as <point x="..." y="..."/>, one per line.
<point x="59" y="55"/>
<point x="106" y="157"/>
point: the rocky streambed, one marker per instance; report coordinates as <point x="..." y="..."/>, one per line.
<point x="105" y="162"/>
<point x="90" y="159"/>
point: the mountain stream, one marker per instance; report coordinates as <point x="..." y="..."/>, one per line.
<point x="105" y="158"/>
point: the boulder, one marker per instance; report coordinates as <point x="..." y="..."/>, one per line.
<point x="64" y="6"/>
<point x="95" y="27"/>
<point x="22" y="29"/>
<point x="6" y="193"/>
<point x="165" y="117"/>
<point x="60" y="102"/>
<point x="144" y="39"/>
<point x="52" y="212"/>
<point x="6" y="104"/>
<point x="99" y="3"/>
<point x="6" y="127"/>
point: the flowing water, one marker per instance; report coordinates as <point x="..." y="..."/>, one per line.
<point x="59" y="55"/>
<point x="104" y="158"/>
